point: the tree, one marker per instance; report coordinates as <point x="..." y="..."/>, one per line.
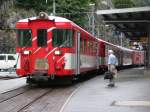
<point x="74" y="10"/>
<point x="123" y="3"/>
<point x="141" y="3"/>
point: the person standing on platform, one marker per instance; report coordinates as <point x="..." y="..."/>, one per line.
<point x="112" y="62"/>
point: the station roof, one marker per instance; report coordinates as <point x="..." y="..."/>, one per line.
<point x="132" y="21"/>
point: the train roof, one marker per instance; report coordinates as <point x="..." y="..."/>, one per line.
<point x="117" y="46"/>
<point x="56" y="18"/>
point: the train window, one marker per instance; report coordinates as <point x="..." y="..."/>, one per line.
<point x="91" y="46"/>
<point x="62" y="38"/>
<point x="96" y="47"/>
<point x="42" y="37"/>
<point x="85" y="47"/>
<point x="88" y="46"/>
<point x="24" y="37"/>
<point x="81" y="45"/>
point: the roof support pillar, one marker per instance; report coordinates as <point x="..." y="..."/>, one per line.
<point x="147" y="62"/>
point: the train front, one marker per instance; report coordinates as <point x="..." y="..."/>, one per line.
<point x="41" y="50"/>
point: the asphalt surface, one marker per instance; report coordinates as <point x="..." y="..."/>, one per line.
<point x="131" y="94"/>
<point x="10" y="81"/>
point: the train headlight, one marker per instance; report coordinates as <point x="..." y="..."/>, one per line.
<point x="26" y="52"/>
<point x="43" y="15"/>
<point x="58" y="52"/>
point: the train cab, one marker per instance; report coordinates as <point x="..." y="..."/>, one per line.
<point x="43" y="44"/>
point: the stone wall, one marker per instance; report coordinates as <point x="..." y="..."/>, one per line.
<point x="9" y="15"/>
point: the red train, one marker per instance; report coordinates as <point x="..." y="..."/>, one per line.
<point x="53" y="47"/>
<point x="126" y="57"/>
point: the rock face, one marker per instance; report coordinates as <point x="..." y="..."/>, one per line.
<point x="9" y="15"/>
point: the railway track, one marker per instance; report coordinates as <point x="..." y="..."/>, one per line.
<point x="35" y="99"/>
<point x="13" y="93"/>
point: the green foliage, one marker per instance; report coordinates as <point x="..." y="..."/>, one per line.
<point x="123" y="3"/>
<point x="32" y="4"/>
<point x="71" y="9"/>
<point x="2" y="1"/>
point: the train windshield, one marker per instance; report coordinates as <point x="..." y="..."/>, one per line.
<point x="24" y="37"/>
<point x="62" y="38"/>
<point x="41" y="37"/>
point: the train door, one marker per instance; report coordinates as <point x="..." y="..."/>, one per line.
<point x="77" y="57"/>
<point x="97" y="56"/>
<point x="41" y="63"/>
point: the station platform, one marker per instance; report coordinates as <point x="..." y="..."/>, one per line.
<point x="131" y="94"/>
